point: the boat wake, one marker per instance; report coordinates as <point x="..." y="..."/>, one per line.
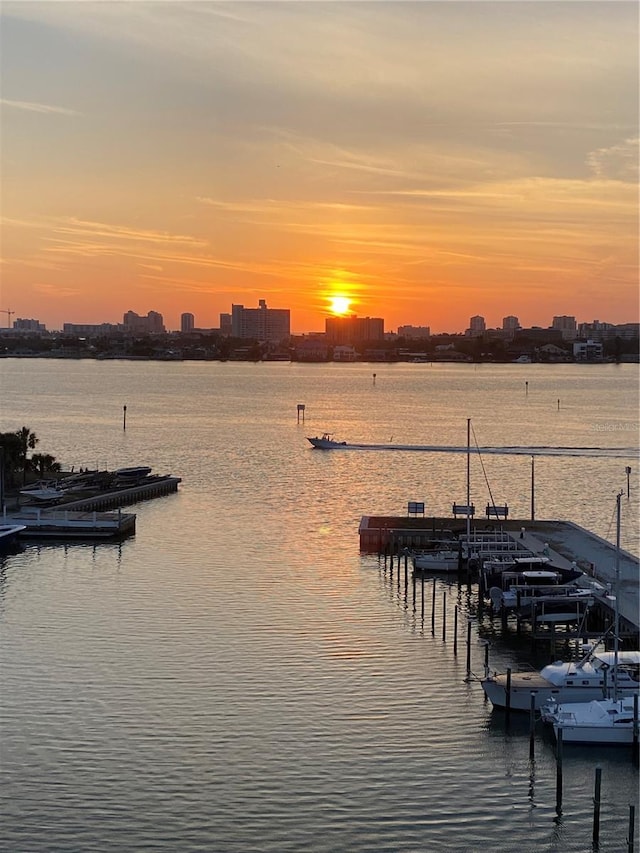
<point x="611" y="452"/>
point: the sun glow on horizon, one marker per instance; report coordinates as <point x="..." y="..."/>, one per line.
<point x="339" y="305"/>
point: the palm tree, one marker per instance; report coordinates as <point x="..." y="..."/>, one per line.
<point x="28" y="441"/>
<point x="45" y="463"/>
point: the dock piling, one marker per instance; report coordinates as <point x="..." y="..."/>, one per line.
<point x="433" y="609"/>
<point x="444" y="616"/>
<point x="596" y="806"/>
<point x="532" y="725"/>
<point x="455" y="631"/>
<point x="559" y="771"/>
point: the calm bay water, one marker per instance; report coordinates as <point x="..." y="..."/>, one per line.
<point x="237" y="676"/>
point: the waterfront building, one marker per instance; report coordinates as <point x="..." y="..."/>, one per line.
<point x="567" y="325"/>
<point x="187" y="322"/>
<point x="510" y="325"/>
<point x="89" y="330"/>
<point x="261" y="323"/>
<point x="414" y="333"/>
<point x="151" y="324"/>
<point x="23" y="325"/>
<point x="597" y="331"/>
<point x="344" y="353"/>
<point x="538" y="336"/>
<point x="588" y="350"/>
<point x="350" y="330"/>
<point x="477" y="327"/>
<point x="312" y="349"/>
<point x="225" y="325"/>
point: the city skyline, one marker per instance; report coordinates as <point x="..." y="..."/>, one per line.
<point x="475" y="323"/>
<point x="423" y="161"/>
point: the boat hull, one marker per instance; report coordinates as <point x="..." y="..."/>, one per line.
<point x="606" y="721"/>
<point x="524" y="684"/>
<point x="595" y="734"/>
<point x="520" y="696"/>
<point x="436" y="563"/>
<point x="327" y="443"/>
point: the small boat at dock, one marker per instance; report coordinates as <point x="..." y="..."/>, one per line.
<point x="607" y="721"/>
<point x="590" y="678"/>
<point x="436" y="561"/>
<point x="44" y="491"/>
<point x="516" y="569"/>
<point x="136" y="471"/>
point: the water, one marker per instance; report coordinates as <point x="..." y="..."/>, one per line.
<point x="237" y="676"/>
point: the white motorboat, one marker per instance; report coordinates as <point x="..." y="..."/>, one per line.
<point x="436" y="561"/>
<point x="135" y="472"/>
<point x="608" y="721"/>
<point x="9" y="533"/>
<point x="493" y="571"/>
<point x="593" y="677"/>
<point x="539" y="589"/>
<point x="326" y="442"/>
<point x="45" y="491"/>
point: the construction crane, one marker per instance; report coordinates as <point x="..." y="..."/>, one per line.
<point x="8" y="313"/>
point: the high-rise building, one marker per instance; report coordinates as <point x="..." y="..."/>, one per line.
<point x="567" y="325"/>
<point x="225" y="325"/>
<point x="510" y="325"/>
<point x="477" y="327"/>
<point x="349" y="330"/>
<point x="151" y="324"/>
<point x="187" y="322"/>
<point x="261" y="323"/>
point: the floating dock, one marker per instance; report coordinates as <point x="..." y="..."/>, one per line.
<point x="87" y="517"/>
<point x="64" y="524"/>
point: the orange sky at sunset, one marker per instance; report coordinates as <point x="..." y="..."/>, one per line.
<point x="428" y="161"/>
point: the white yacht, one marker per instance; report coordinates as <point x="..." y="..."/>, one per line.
<point x="593" y="677"/>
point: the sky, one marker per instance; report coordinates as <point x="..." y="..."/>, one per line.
<point x="427" y="161"/>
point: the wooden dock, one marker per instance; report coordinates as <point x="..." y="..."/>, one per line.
<point x="563" y="542"/>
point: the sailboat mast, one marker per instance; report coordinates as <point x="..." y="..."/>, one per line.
<point x="616" y="642"/>
<point x="468" y="483"/>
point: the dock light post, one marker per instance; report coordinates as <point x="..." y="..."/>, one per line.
<point x="301" y="408"/>
<point x="533" y="488"/>
<point x="124" y="417"/>
<point x="627" y="471"/>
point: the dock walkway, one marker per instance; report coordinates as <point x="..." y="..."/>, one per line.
<point x="65" y="524"/>
<point x="563" y="542"/>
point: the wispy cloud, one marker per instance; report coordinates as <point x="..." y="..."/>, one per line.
<point x="31" y="106"/>
<point x="71" y="225"/>
<point x="617" y="162"/>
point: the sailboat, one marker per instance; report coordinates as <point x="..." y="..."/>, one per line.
<point x="612" y="720"/>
